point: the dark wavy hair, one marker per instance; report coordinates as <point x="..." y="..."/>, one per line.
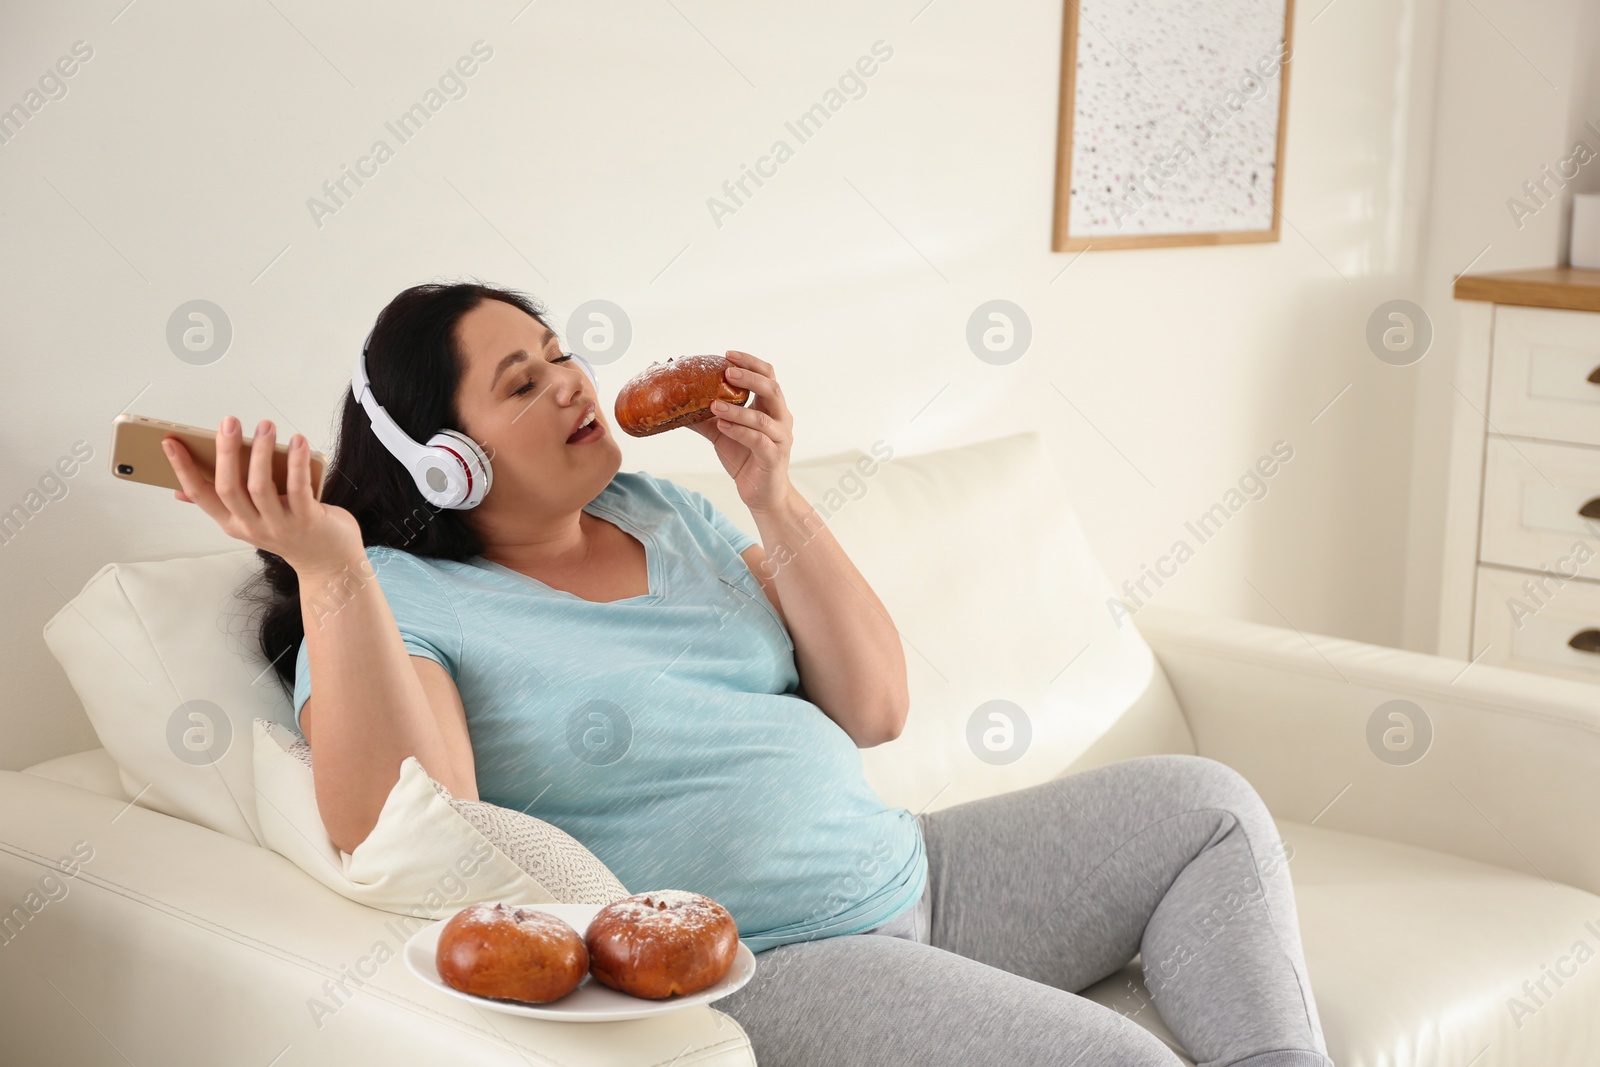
<point x="414" y="364"/>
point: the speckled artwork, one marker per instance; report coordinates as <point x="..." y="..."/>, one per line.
<point x="1174" y="117"/>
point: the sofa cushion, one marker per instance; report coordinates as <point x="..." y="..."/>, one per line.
<point x="979" y="560"/>
<point x="163" y="656"/>
<point x="92" y="769"/>
<point x="1419" y="958"/>
<point x="430" y="853"/>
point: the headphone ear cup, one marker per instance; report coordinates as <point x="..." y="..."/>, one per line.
<point x="467" y="472"/>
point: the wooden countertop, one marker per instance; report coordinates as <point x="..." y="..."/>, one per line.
<point x="1569" y="288"/>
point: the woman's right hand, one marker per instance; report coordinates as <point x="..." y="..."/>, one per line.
<point x="309" y="535"/>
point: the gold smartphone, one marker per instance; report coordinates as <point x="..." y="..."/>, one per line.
<point x="136" y="454"/>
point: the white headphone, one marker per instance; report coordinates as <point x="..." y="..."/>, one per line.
<point x="451" y="470"/>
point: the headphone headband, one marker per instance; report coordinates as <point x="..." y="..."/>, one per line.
<point x="387" y="430"/>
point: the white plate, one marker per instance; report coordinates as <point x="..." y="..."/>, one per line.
<point x="591" y="1002"/>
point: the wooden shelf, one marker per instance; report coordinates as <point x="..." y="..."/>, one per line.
<point x="1567" y="288"/>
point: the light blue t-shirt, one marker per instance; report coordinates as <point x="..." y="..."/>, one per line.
<point x="663" y="731"/>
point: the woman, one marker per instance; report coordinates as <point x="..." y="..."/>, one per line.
<point x="608" y="652"/>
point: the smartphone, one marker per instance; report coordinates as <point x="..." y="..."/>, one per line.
<point x="136" y="454"/>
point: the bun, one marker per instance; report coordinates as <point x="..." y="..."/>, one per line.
<point x="494" y="950"/>
<point x="654" y="945"/>
<point x="676" y="393"/>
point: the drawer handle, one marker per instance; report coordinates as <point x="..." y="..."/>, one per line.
<point x="1591" y="510"/>
<point x="1586" y="641"/>
<point x="1594" y="376"/>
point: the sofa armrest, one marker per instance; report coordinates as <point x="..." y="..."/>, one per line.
<point x="173" y="943"/>
<point x="1511" y="776"/>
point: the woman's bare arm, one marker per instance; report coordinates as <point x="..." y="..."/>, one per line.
<point x="846" y="648"/>
<point x="371" y="707"/>
<point x="375" y="704"/>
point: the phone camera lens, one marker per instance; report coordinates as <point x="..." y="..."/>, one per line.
<point x="124" y="468"/>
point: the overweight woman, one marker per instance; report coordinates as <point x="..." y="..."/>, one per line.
<point x="608" y="652"/>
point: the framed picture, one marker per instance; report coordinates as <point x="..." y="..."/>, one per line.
<point x="1171" y="128"/>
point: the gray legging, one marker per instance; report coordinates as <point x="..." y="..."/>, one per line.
<point x="1036" y="894"/>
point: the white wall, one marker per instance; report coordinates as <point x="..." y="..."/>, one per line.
<point x="1517" y="82"/>
<point x="578" y="166"/>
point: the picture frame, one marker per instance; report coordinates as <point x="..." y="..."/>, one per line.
<point x="1172" y="126"/>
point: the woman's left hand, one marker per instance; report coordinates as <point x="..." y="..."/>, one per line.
<point x="753" y="441"/>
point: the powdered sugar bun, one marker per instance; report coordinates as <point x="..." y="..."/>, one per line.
<point x="658" y="944"/>
<point x="495" y="950"/>
<point x="676" y="393"/>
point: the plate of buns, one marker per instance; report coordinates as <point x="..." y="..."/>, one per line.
<point x="645" y="954"/>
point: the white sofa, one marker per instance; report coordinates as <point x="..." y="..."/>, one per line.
<point x="1429" y="893"/>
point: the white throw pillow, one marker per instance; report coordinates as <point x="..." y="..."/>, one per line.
<point x="164" y="655"/>
<point x="430" y="853"/>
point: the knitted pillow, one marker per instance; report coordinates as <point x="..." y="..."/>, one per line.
<point x="430" y="854"/>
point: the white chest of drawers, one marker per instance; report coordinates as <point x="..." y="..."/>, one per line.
<point x="1521" y="567"/>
